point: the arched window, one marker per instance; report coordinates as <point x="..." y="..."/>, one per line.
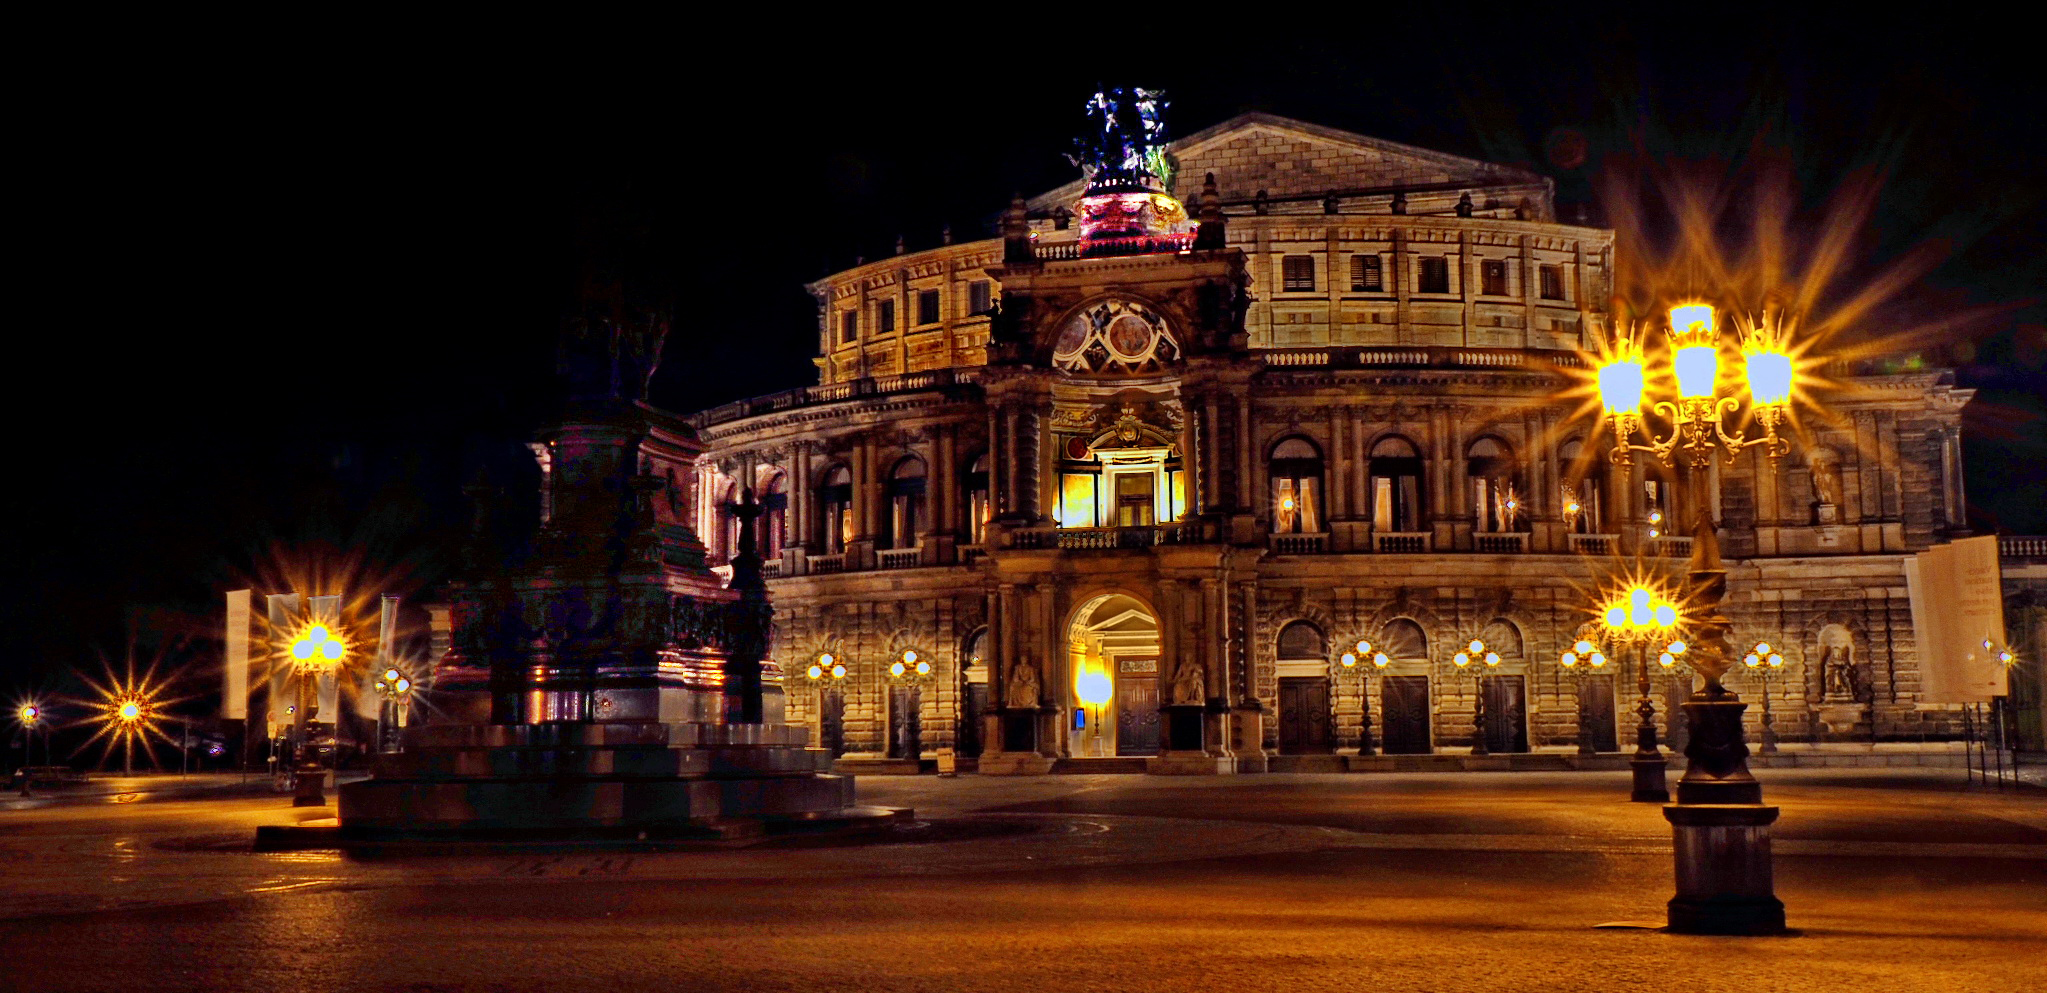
<point x="1403" y="639"/>
<point x="1584" y="476"/>
<point x="835" y="509"/>
<point x="774" y="515"/>
<point x="1500" y="635"/>
<point x="979" y="508"/>
<point x="1302" y="640"/>
<point x="1396" y="473"/>
<point x="1296" y="468"/>
<point x="728" y="523"/>
<point x="905" y="495"/>
<point x="1495" y="505"/>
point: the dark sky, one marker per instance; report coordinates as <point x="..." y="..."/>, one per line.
<point x="298" y="291"/>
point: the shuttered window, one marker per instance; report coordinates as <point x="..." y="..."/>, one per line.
<point x="1297" y="273"/>
<point x="1365" y="274"/>
<point x="1493" y="277"/>
<point x="1552" y="282"/>
<point x="1435" y="276"/>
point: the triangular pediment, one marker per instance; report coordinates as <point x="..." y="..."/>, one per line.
<point x="1290" y="158"/>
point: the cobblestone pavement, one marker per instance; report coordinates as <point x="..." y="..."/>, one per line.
<point x="1905" y="878"/>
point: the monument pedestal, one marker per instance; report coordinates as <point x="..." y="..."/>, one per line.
<point x="1724" y="880"/>
<point x="1843" y="720"/>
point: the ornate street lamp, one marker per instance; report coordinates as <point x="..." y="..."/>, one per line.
<point x="1637" y="617"/>
<point x="1476" y="653"/>
<point x="1348" y="665"/>
<point x="1580" y="660"/>
<point x="31" y="716"/>
<point x="1766" y="662"/>
<point x="394" y="689"/>
<point x="316" y="651"/>
<point x="1724" y="883"/>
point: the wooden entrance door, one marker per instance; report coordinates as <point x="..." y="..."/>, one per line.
<point x="1304" y="716"/>
<point x="832" y="731"/>
<point x="1137" y="715"/>
<point x="1596" y="714"/>
<point x="974" y="704"/>
<point x="905" y="725"/>
<point x="1506" y="714"/>
<point x="1404" y="710"/>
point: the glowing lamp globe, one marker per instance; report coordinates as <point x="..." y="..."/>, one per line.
<point x="1492" y="658"/>
<point x="1666" y="660"/>
<point x="1364" y="647"/>
<point x="1678" y="648"/>
<point x="1616" y="617"/>
<point x="838" y="672"/>
<point x="131" y="711"/>
<point x="910" y="657"/>
<point x="29" y="713"/>
<point x="896" y="669"/>
<point x="815" y="672"/>
<point x="1348" y="660"/>
<point x="1475" y="647"/>
<point x="1583" y="647"/>
<point x="1776" y="661"/>
<point x="923" y="668"/>
<point x="402" y="685"/>
<point x="1598" y="659"/>
<point x="1751" y="660"/>
<point x="1380" y="660"/>
<point x="302" y="649"/>
<point x="1093" y="687"/>
<point x="391" y="675"/>
<point x="1666" y="615"/>
<point x="1461" y="660"/>
<point x="1620" y="386"/>
<point x="1569" y="660"/>
<point x="1769" y="376"/>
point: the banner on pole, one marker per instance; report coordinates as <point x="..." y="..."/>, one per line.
<point x="1957" y="597"/>
<point x="234" y="686"/>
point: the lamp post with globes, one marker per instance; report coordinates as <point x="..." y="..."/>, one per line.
<point x="316" y="651"/>
<point x="394" y="689"/>
<point x="826" y="671"/>
<point x="1348" y="664"/>
<point x="911" y="670"/>
<point x="1766" y="662"/>
<point x="30" y="715"/>
<point x="1583" y="659"/>
<point x="1638" y="616"/>
<point x="1476" y="653"/>
<point x="1720" y="824"/>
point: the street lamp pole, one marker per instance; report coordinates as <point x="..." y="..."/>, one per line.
<point x="317" y="649"/>
<point x="1476" y="651"/>
<point x="1349" y="662"/>
<point x="1587" y="654"/>
<point x="1765" y="662"/>
<point x="1720" y="824"/>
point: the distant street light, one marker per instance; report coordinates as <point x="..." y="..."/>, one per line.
<point x="316" y="651"/>
<point x="1766" y="662"/>
<point x="1638" y="616"/>
<point x="1349" y="663"/>
<point x="1477" y="652"/>
<point x="1584" y="659"/>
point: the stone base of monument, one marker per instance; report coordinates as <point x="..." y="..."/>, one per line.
<point x="1016" y="764"/>
<point x="599" y="782"/>
<point x="1189" y="764"/>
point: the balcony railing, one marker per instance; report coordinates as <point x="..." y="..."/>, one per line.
<point x="1671" y="546"/>
<point x="825" y="565"/>
<point x="900" y="558"/>
<point x="834" y="392"/>
<point x="1506" y="543"/>
<point x="1594" y="544"/>
<point x="771" y="569"/>
<point x="1299" y="544"/>
<point x="1413" y="357"/>
<point x="2022" y="546"/>
<point x="970" y="554"/>
<point x="1402" y="543"/>
<point x="1102" y="538"/>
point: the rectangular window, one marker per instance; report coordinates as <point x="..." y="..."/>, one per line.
<point x="1435" y="276"/>
<point x="927" y="307"/>
<point x="1493" y="277"/>
<point x="980" y="297"/>
<point x="1365" y="274"/>
<point x="849" y="327"/>
<point x="1133" y="499"/>
<point x="1297" y="274"/>
<point x="1552" y="282"/>
<point x="1077" y="500"/>
<point x="885" y="319"/>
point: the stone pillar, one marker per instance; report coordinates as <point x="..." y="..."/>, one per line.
<point x="1027" y="471"/>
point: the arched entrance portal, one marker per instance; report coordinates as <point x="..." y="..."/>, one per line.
<point x="1113" y="646"/>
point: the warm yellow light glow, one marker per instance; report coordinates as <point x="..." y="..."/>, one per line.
<point x="29" y="713"/>
<point x="1569" y="660"/>
<point x="896" y="669"/>
<point x="1598" y="659"/>
<point x="1364" y="647"/>
<point x="1666" y="660"/>
<point x="1697" y="367"/>
<point x="302" y="649"/>
<point x="1286" y="503"/>
<point x="1380" y="660"/>
<point x="318" y="633"/>
<point x="1639" y="610"/>
<point x="1678" y="648"/>
<point x="1492" y="658"/>
<point x="1582" y="647"/>
<point x="1769" y="377"/>
<point x="1666" y="615"/>
<point x="910" y="657"/>
<point x="1751" y="660"/>
<point x="1616" y="617"/>
<point x="1691" y="319"/>
<point x="1776" y="661"/>
<point x="1461" y="660"/>
<point x="390" y="675"/>
<point x="816" y="672"/>
<point x="838" y="672"/>
<point x="1093" y="687"/>
<point x="1620" y="384"/>
<point x="923" y="668"/>
<point x="826" y="659"/>
<point x="1762" y="648"/>
<point x="402" y="685"/>
<point x="1475" y="647"/>
<point x="131" y="711"/>
<point x="1348" y="660"/>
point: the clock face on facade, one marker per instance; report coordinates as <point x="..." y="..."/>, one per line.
<point x="1114" y="336"/>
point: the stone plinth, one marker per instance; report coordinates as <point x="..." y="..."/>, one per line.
<point x="572" y="780"/>
<point x="1725" y="883"/>
<point x="1189" y="764"/>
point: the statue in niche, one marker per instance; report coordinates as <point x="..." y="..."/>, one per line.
<point x="1837" y="664"/>
<point x="1826" y="487"/>
<point x="1190" y="685"/>
<point x="1023" y="685"/>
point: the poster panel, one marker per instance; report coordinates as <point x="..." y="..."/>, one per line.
<point x="1957" y="605"/>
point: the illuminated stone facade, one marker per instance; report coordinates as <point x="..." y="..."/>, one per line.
<point x="1184" y="482"/>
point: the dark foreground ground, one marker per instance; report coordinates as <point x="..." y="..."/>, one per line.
<point x="1895" y="881"/>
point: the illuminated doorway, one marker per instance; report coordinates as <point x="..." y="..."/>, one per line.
<point x="1113" y="649"/>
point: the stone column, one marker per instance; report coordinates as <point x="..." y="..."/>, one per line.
<point x="1027" y="471"/>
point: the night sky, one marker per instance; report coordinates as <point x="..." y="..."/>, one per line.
<point x="299" y="293"/>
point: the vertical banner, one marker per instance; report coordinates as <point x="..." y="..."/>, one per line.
<point x="283" y="617"/>
<point x="234" y="686"/>
<point x="368" y="702"/>
<point x="327" y="610"/>
<point x="1957" y="604"/>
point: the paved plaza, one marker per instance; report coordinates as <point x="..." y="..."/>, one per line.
<point x="1902" y="879"/>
